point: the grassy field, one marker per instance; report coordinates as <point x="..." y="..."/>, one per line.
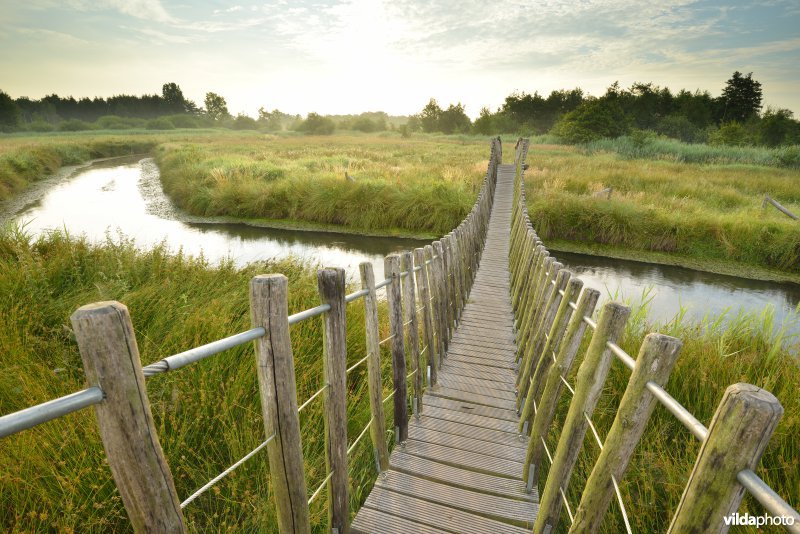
<point x="399" y="186"/>
<point x="208" y="415"/>
<point x="707" y="215"/>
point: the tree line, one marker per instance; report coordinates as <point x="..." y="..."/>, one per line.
<point x="733" y="118"/>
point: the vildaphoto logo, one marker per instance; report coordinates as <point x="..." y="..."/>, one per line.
<point x="758" y="520"/>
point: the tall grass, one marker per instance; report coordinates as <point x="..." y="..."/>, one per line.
<point x="398" y="185"/>
<point x="208" y="415"/>
<point x="55" y="477"/>
<point x="661" y="148"/>
<point x="710" y="212"/>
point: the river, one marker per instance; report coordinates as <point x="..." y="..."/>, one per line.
<point x="123" y="196"/>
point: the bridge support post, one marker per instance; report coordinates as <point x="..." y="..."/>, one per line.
<point x="427" y="319"/>
<point x="391" y="269"/>
<point x="552" y="390"/>
<point x="374" y="382"/>
<point x="591" y="377"/>
<point x="269" y="308"/>
<point x="656" y="359"/>
<point x="334" y="341"/>
<point x="412" y="328"/>
<point x="746" y="418"/>
<point x="110" y="355"/>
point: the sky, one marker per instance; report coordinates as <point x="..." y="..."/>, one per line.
<point x="350" y="56"/>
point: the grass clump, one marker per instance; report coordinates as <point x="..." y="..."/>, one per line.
<point x="27" y="163"/>
<point x="701" y="211"/>
<point x="410" y="185"/>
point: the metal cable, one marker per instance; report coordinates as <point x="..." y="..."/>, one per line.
<point x="314" y="396"/>
<point x="359" y="362"/>
<point x="363" y="433"/>
<point x="225" y="473"/>
<point x="324" y="482"/>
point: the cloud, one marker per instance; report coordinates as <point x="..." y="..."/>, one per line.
<point x="161" y="37"/>
<point x="51" y="36"/>
<point x="232" y="9"/>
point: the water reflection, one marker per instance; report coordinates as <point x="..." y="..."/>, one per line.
<point x="671" y="288"/>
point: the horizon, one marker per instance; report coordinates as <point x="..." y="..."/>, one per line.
<point x="348" y="57"/>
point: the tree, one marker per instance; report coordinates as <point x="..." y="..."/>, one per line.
<point x="429" y="118"/>
<point x="454" y="120"/>
<point x="9" y="112"/>
<point x="741" y="98"/>
<point x="216" y="107"/>
<point x="173" y="98"/>
<point x="777" y="127"/>
<point x="594" y="119"/>
<point x="316" y="124"/>
<point x="484" y="124"/>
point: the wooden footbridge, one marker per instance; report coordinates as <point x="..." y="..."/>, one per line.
<point x="484" y="328"/>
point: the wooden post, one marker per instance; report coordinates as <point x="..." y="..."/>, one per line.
<point x="427" y="319"/>
<point x="374" y="382"/>
<point x="552" y="390"/>
<point x="769" y="200"/>
<point x="269" y="309"/>
<point x="591" y="377"/>
<point x="738" y="434"/>
<point x="449" y="285"/>
<point x="410" y="320"/>
<point x="559" y="326"/>
<point x="391" y="269"/>
<point x="334" y="343"/>
<point x="656" y="359"/>
<point x="110" y="355"/>
<point x="441" y="296"/>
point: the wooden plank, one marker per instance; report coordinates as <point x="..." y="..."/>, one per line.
<point x="469" y="407"/>
<point x="491" y="374"/>
<point x="506" y="452"/>
<point x="471" y="419"/>
<point x="475" y="398"/>
<point x="472" y="461"/>
<point x="435" y="515"/>
<point x="478" y="360"/>
<point x="491" y="506"/>
<point x="470" y="431"/>
<point x="478" y="385"/>
<point x="371" y="521"/>
<point x="483" y="352"/>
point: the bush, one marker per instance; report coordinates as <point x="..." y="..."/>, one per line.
<point x="316" y="124"/>
<point x="74" y="125"/>
<point x="114" y="122"/>
<point x="243" y="122"/>
<point x="681" y="128"/>
<point x="41" y="126"/>
<point x="182" y="120"/>
<point x="730" y="134"/>
<point x="161" y="123"/>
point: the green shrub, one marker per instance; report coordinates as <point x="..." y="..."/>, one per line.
<point x="316" y="124"/>
<point x="74" y="125"/>
<point x="243" y="122"/>
<point x="161" y="123"/>
<point x="592" y="120"/>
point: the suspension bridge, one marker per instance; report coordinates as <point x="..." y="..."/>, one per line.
<point x="484" y="328"/>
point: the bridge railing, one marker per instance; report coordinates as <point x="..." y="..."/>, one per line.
<point x="434" y="280"/>
<point x="553" y="311"/>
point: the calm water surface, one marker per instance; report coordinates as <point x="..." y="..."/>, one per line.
<point x="124" y="197"/>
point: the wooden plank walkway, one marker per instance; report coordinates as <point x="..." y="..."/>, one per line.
<point x="460" y="469"/>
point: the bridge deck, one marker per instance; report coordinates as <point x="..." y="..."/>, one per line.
<point x="460" y="469"/>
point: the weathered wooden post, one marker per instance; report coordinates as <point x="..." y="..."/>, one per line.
<point x="552" y="390"/>
<point x="410" y="320"/>
<point x="441" y="295"/>
<point x="334" y="343"/>
<point x="110" y="355"/>
<point x="374" y="382"/>
<point x="427" y="319"/>
<point x="591" y="377"/>
<point x="269" y="309"/>
<point x="656" y="359"/>
<point x="391" y="269"/>
<point x="737" y="437"/>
